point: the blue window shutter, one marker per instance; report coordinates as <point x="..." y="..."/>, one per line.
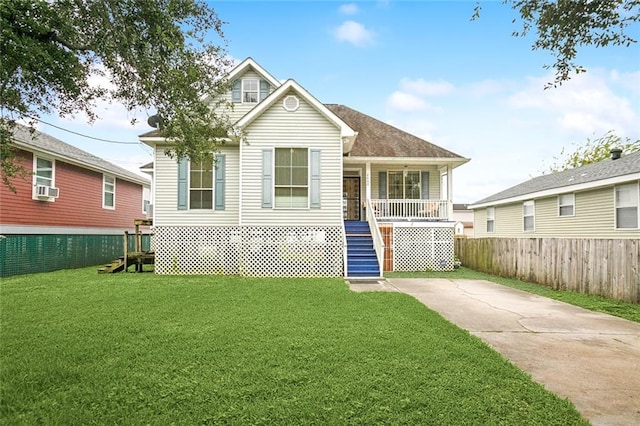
<point x="264" y="89"/>
<point x="314" y="185"/>
<point x="267" y="178"/>
<point x="220" y="181"/>
<point x="382" y="185"/>
<point x="236" y="92"/>
<point x="424" y="185"/>
<point x="183" y="182"/>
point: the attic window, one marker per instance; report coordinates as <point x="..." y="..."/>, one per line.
<point x="291" y="103"/>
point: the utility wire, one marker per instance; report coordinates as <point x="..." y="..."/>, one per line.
<point x="83" y="135"/>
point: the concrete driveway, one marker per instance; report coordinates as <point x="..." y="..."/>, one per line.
<point x="590" y="358"/>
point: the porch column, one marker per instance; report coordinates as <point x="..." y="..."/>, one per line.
<point x="450" y="192"/>
<point x="367" y="181"/>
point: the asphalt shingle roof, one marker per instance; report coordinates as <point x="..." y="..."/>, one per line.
<point x="378" y="139"/>
<point x="606" y="169"/>
<point x="48" y="144"/>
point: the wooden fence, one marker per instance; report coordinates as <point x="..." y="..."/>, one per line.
<point x="608" y="268"/>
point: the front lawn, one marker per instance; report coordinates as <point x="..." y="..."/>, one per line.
<point x="82" y="348"/>
<point x="629" y="311"/>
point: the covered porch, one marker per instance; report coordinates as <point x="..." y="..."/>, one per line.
<point x="393" y="192"/>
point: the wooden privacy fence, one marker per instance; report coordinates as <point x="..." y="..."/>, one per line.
<point x="608" y="268"/>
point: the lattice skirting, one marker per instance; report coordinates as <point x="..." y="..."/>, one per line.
<point x="251" y="251"/>
<point x="422" y="249"/>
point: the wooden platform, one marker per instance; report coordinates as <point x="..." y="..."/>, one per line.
<point x="133" y="258"/>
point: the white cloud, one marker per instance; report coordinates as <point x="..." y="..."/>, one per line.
<point x="402" y="101"/>
<point x="585" y="105"/>
<point x="355" y="33"/>
<point x="348" y="9"/>
<point x="423" y="87"/>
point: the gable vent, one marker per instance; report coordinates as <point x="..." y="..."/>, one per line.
<point x="291" y="103"/>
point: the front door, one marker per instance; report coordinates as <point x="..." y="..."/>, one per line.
<point x="351" y="197"/>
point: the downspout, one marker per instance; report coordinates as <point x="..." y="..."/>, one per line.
<point x="241" y="240"/>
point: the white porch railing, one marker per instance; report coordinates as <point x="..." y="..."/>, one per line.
<point x="384" y="209"/>
<point x="378" y="243"/>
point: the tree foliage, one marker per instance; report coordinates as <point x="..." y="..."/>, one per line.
<point x="563" y="26"/>
<point x="154" y="55"/>
<point x="593" y="151"/>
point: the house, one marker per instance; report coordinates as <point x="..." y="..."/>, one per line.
<point x="309" y="189"/>
<point x="599" y="200"/>
<point x="463" y="218"/>
<point x="69" y="211"/>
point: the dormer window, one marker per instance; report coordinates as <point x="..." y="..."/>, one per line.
<point x="250" y="90"/>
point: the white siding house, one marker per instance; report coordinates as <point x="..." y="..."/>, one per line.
<point x="289" y="198"/>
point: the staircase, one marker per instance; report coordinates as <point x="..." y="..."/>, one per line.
<point x="361" y="256"/>
<point x="115" y="266"/>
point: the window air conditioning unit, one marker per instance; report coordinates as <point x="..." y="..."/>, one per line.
<point x="44" y="191"/>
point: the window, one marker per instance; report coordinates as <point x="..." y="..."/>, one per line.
<point x="627" y="206"/>
<point x="201" y="185"/>
<point x="491" y="214"/>
<point x="566" y="205"/>
<point x="108" y="192"/>
<point x="250" y="90"/>
<point x="291" y="178"/>
<point x="529" y="215"/>
<point x="404" y="185"/>
<point x="146" y="195"/>
<point x="44" y="172"/>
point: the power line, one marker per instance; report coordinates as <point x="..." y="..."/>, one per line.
<point x="83" y="135"/>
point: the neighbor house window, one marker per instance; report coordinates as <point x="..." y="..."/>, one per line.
<point x="529" y="215"/>
<point x="43" y="172"/>
<point x="250" y="90"/>
<point x="108" y="192"/>
<point x="291" y="178"/>
<point x="201" y="185"/>
<point x="627" y="206"/>
<point x="491" y="215"/>
<point x="566" y="204"/>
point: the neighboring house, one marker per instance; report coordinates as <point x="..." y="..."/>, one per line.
<point x="308" y="190"/>
<point x="70" y="210"/>
<point x="599" y="200"/>
<point x="464" y="220"/>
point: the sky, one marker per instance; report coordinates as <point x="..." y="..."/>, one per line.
<point x="426" y="68"/>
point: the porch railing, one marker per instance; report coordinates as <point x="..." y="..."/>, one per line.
<point x="389" y="209"/>
<point x="378" y="242"/>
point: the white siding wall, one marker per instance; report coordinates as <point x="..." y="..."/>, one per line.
<point x="594" y="218"/>
<point x="303" y="128"/>
<point x="166" y="202"/>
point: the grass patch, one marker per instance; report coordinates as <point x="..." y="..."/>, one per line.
<point x="629" y="311"/>
<point x="78" y="347"/>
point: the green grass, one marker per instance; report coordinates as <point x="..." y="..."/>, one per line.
<point x="83" y="348"/>
<point x="629" y="311"/>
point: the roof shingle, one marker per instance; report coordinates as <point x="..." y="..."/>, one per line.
<point x="378" y="139"/>
<point x="48" y="144"/>
<point x="606" y="169"/>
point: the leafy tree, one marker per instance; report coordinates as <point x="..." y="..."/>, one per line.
<point x="153" y="53"/>
<point x="563" y="26"/>
<point x="593" y="151"/>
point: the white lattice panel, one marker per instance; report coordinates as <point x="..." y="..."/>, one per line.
<point x="197" y="250"/>
<point x="252" y="251"/>
<point x="292" y="251"/>
<point x="422" y="249"/>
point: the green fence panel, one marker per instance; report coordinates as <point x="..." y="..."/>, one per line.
<point x="27" y="254"/>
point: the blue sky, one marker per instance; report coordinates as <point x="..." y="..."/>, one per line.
<point x="425" y="67"/>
